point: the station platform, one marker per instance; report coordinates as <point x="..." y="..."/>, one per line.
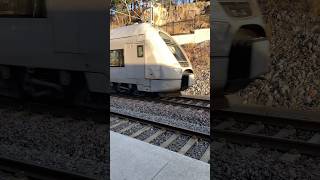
<point x="131" y="159"/>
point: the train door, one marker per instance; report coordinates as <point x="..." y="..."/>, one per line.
<point x="135" y="61"/>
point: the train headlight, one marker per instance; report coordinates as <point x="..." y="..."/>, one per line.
<point x="237" y="9"/>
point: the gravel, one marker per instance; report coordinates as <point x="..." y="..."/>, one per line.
<point x="229" y="163"/>
<point x="269" y="130"/>
<point x="198" y="149"/>
<point x="114" y="121"/>
<point x="167" y="114"/>
<point x="62" y="143"/>
<point x="199" y="55"/>
<point x="121" y="126"/>
<point x="147" y="133"/>
<point x="178" y="143"/>
<point x="234" y="162"/>
<point x="162" y="138"/>
<point x="302" y="135"/>
<point x="294" y="79"/>
<point x="238" y="126"/>
<point x="6" y="176"/>
<point x="133" y="129"/>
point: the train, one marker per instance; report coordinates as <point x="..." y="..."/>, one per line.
<point x="59" y="49"/>
<point x="240" y="50"/>
<point x="146" y="59"/>
<point x="55" y="49"/>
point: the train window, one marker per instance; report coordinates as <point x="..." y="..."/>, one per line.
<point x="116" y="58"/>
<point x="23" y="8"/>
<point x="140" y="51"/>
<point x="174" y="48"/>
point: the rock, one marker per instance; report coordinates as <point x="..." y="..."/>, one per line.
<point x="294" y="78"/>
<point x="200" y="60"/>
<point x="308" y="99"/>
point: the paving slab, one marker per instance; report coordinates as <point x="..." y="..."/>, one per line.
<point x="131" y="159"/>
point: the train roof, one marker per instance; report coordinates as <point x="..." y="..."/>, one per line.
<point x="131" y="30"/>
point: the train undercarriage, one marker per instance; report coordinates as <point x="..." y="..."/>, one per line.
<point x="68" y="87"/>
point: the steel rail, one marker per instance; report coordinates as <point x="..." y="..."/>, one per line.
<point x="162" y="100"/>
<point x="279" y="143"/>
<point x="268" y="119"/>
<point x="162" y="125"/>
<point x="188" y="99"/>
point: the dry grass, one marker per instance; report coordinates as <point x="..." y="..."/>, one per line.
<point x="178" y="13"/>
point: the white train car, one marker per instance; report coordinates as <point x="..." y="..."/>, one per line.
<point x="146" y="59"/>
<point x="240" y="46"/>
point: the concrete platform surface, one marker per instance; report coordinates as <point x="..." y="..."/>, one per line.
<point x="131" y="159"/>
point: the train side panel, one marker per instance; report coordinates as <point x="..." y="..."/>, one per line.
<point x="132" y="71"/>
<point x="71" y="36"/>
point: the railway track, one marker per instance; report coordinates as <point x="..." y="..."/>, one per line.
<point x="33" y="171"/>
<point x="286" y="134"/>
<point x="186" y="142"/>
<point x="184" y="101"/>
<point x="30" y="162"/>
<point x="187" y="101"/>
<point x="55" y="108"/>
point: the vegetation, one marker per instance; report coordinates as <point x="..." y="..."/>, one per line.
<point x="125" y="6"/>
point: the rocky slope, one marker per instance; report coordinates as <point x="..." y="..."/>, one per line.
<point x="294" y="79"/>
<point x="199" y="55"/>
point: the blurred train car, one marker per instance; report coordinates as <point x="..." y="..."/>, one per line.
<point x="240" y="46"/>
<point x="53" y="48"/>
<point x="146" y="59"/>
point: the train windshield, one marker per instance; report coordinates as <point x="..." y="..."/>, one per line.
<point x="175" y="49"/>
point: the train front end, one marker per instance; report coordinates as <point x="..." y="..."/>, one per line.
<point x="240" y="45"/>
<point x="184" y="64"/>
<point x="168" y="65"/>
